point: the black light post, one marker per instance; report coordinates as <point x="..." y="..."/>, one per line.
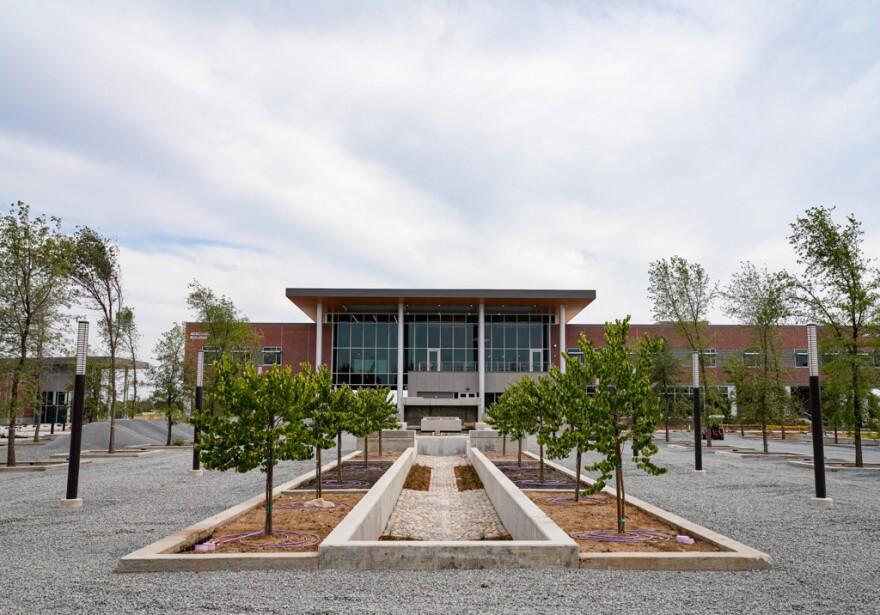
<point x="200" y="380"/>
<point x="79" y="395"/>
<point x="816" y="419"/>
<point x="698" y="433"/>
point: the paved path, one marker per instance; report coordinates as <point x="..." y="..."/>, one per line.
<point x="443" y="512"/>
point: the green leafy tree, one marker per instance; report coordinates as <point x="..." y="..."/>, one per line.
<point x="345" y="411"/>
<point x="166" y="375"/>
<point x="760" y="397"/>
<point x="840" y="289"/>
<point x="762" y="301"/>
<point x="624" y="407"/>
<point x="376" y="412"/>
<point x="323" y="420"/>
<point x="97" y="275"/>
<point x="517" y="412"/>
<point x="665" y="374"/>
<point x="683" y="295"/>
<point x="34" y="257"/>
<point x="129" y="340"/>
<point x="257" y="422"/>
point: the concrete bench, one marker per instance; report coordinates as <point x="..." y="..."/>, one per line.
<point x="441" y="423"/>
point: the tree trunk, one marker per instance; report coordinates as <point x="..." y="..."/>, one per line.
<point x="504" y="445"/>
<point x="339" y="457"/>
<point x="125" y="411"/>
<point x="541" y="464"/>
<point x="170" y="423"/>
<point x="666" y="405"/>
<point x="764" y="434"/>
<point x="38" y="421"/>
<point x="835" y="435"/>
<point x="366" y="448"/>
<point x="519" y="452"/>
<point x="380" y="442"/>
<point x="621" y="498"/>
<point x="319" y="478"/>
<point x="268" y="529"/>
<point x="577" y="480"/>
<point x="857" y="415"/>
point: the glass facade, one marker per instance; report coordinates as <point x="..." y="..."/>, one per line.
<point x="364" y="349"/>
<point x="365" y="345"/>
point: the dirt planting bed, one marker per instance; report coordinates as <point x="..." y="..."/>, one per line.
<point x="527" y="475"/>
<point x="316" y="523"/>
<point x="354" y="476"/>
<point x="419" y="478"/>
<point x="466" y="478"/>
<point x="599" y="512"/>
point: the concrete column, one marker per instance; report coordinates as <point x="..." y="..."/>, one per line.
<point x="481" y="361"/>
<point x="400" y="361"/>
<point x="319" y="340"/>
<point x="562" y="347"/>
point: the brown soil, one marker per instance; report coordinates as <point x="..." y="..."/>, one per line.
<point x="353" y="471"/>
<point x="398" y="538"/>
<point x="466" y="478"/>
<point x="531" y="473"/>
<point x="320" y="521"/>
<point x="603" y="516"/>
<point x="418" y="479"/>
<point x="373" y="455"/>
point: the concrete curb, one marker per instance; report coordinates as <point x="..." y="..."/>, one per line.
<point x="37" y="466"/>
<point x="733" y="556"/>
<point x="538" y="543"/>
<point x="165" y="555"/>
<point x="832" y="468"/>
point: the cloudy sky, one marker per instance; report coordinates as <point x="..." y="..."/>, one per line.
<point x="406" y="144"/>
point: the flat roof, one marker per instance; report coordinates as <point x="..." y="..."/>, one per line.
<point x="386" y="299"/>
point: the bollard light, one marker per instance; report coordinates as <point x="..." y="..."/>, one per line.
<point x="200" y="380"/>
<point x="698" y="431"/>
<point x="79" y="393"/>
<point x="816" y="418"/>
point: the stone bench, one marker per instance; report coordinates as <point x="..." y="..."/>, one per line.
<point x="441" y="423"/>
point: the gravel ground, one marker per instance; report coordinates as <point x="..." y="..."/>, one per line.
<point x="825" y="561"/>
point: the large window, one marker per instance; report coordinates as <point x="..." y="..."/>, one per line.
<point x="800" y="358"/>
<point x="752" y="357"/>
<point x="272" y="355"/>
<point x="54" y="407"/>
<point x="365" y="349"/>
<point x="710" y="357"/>
<point x="441" y="343"/>
<point x="517" y="343"/>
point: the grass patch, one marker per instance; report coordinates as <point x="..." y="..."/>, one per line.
<point x="419" y="478"/>
<point x="467" y="479"/>
<point x="499" y="537"/>
<point x="397" y="538"/>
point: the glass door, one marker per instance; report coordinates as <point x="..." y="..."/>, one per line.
<point x="536" y="360"/>
<point x="433" y="360"/>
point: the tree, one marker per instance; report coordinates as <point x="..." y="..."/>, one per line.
<point x="257" y="422"/>
<point x="762" y="301"/>
<point x="33" y="286"/>
<point x="624" y="407"/>
<point x="665" y="372"/>
<point x="322" y="420"/>
<point x="376" y="412"/>
<point x="97" y="274"/>
<point x="516" y="414"/>
<point x="840" y="289"/>
<point x="345" y="410"/>
<point x="166" y="375"/>
<point x="129" y="338"/>
<point x="683" y="295"/>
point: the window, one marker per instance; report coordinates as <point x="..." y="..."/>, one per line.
<point x="211" y="354"/>
<point x="272" y="355"/>
<point x="710" y="357"/>
<point x="575" y="354"/>
<point x="751" y="358"/>
<point x="800" y="358"/>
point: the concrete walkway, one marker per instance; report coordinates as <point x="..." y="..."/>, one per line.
<point x="443" y="512"/>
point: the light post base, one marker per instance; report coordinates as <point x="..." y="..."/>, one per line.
<point x="823" y="502"/>
<point x="196" y="473"/>
<point x="74" y="503"/>
<point x="700" y="472"/>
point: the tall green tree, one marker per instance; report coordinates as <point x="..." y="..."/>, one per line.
<point x="129" y="340"/>
<point x="840" y="289"/>
<point x="97" y="275"/>
<point x="34" y="265"/>
<point x="683" y="295"/>
<point x="166" y="375"/>
<point x="376" y="412"/>
<point x="322" y="418"/>
<point x="624" y="407"/>
<point x="665" y="374"/>
<point x="762" y="301"/>
<point x="517" y="412"/>
<point x="257" y="422"/>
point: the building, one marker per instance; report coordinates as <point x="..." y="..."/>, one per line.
<point x="453" y="352"/>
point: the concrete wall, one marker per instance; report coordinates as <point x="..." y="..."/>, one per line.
<point x="460" y="382"/>
<point x="393" y="441"/>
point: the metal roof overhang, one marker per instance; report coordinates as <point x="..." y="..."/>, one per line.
<point x="386" y="300"/>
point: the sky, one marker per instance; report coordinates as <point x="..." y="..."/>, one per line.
<point x="560" y="145"/>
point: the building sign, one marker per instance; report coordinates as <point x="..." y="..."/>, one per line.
<point x="198" y="335"/>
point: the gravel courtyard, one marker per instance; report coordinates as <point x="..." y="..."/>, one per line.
<point x="53" y="560"/>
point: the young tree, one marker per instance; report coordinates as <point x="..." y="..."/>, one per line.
<point x="345" y="410"/>
<point x="129" y="339"/>
<point x="762" y="301"/>
<point x="97" y="275"/>
<point x="840" y="289"/>
<point x="683" y="295"/>
<point x="624" y="407"/>
<point x="322" y="419"/>
<point x="516" y="414"/>
<point x="665" y="372"/>
<point x="33" y="285"/>
<point x="166" y="375"/>
<point x="759" y="395"/>
<point x="376" y="412"/>
<point x="257" y="422"/>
